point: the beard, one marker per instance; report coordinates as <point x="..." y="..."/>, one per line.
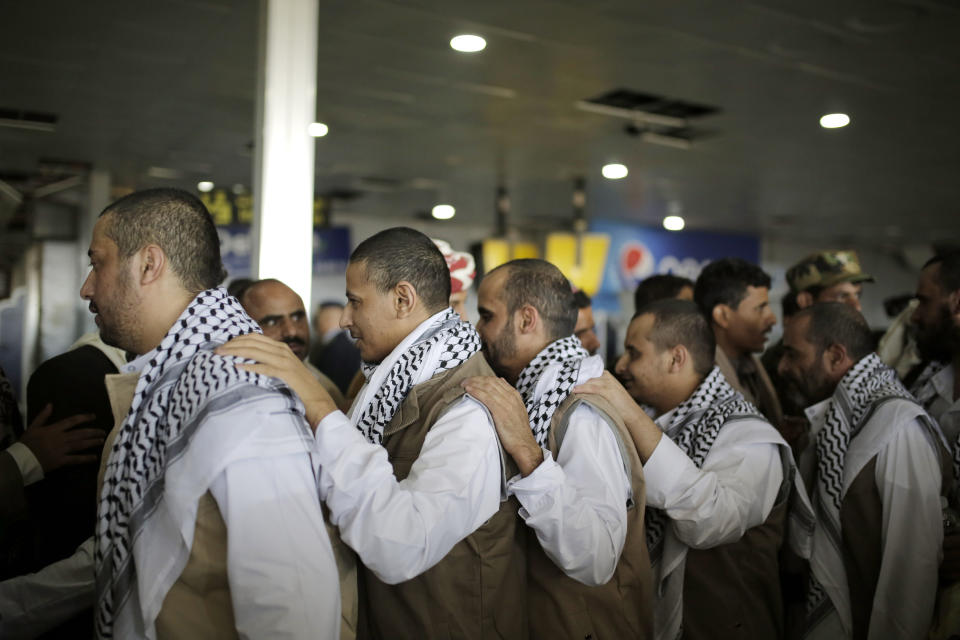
<point x="503" y="347"/>
<point x="940" y="341"/>
<point x="119" y="326"/>
<point x="813" y="386"/>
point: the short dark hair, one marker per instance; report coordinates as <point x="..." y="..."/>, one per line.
<point x="680" y="322"/>
<point x="949" y="276"/>
<point x="401" y="253"/>
<point x="659" y="287"/>
<point x="175" y="221"/>
<point x="542" y="286"/>
<point x="725" y="281"/>
<point x="239" y="286"/>
<point x="838" y="323"/>
<point x="581" y="300"/>
<point x="789" y="303"/>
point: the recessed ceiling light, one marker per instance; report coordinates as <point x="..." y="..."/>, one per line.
<point x="834" y="120"/>
<point x="673" y="223"/>
<point x="317" y="129"/>
<point x="204" y="186"/>
<point x="614" y="171"/>
<point x="468" y="43"/>
<point x="443" y="212"/>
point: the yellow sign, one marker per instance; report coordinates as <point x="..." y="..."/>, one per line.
<point x="580" y="258"/>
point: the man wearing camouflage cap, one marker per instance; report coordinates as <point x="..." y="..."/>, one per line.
<point x="827" y="276"/>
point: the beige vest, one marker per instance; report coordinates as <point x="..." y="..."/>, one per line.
<point x="562" y="607"/>
<point x="478" y="590"/>
<point x="198" y="604"/>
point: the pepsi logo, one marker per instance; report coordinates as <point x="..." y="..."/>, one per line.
<point x="636" y="263"/>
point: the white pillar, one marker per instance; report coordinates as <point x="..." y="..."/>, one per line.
<point x="283" y="161"/>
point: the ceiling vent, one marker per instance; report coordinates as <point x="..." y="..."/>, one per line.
<point x="32" y="120"/>
<point x="655" y="119"/>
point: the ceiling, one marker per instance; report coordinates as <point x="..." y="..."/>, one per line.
<point x="163" y="93"/>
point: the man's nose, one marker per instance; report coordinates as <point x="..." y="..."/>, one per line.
<point x="86" y="290"/>
<point x="621" y="365"/>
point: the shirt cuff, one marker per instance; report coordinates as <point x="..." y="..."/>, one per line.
<point x="535" y="492"/>
<point x="663" y="472"/>
<point x="30" y="469"/>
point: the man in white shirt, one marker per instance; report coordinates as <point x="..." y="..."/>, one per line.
<point x="715" y="471"/>
<point x="204" y="450"/>
<point x="873" y="470"/>
<point x="581" y="484"/>
<point x="414" y="476"/>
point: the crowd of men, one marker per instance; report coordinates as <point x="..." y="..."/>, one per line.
<point x="195" y="470"/>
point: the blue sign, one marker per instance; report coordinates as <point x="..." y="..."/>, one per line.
<point x="639" y="252"/>
<point x="331" y="250"/>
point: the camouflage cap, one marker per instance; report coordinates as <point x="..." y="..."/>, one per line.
<point x="825" y="269"/>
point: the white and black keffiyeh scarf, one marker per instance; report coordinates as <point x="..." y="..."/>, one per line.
<point x="865" y="386"/>
<point x="182" y="382"/>
<point x="448" y="338"/>
<point x="566" y="355"/>
<point x="694" y="427"/>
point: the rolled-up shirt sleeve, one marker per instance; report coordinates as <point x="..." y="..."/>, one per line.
<point x="734" y="490"/>
<point x="577" y="505"/>
<point x="402" y="528"/>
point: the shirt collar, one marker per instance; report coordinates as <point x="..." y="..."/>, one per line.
<point x="816" y="412"/>
<point x="137" y="364"/>
<point x="664" y="421"/>
<point x="943" y="383"/>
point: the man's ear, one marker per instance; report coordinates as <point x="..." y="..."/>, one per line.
<point x="153" y="264"/>
<point x="804" y="299"/>
<point x="953" y="305"/>
<point x="721" y="315"/>
<point x="836" y="359"/>
<point x="405" y="299"/>
<point x="527" y="319"/>
<point x="678" y="358"/>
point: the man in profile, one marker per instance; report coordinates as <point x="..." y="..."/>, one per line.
<point x="281" y="315"/>
<point x="413" y="477"/>
<point x="719" y="479"/>
<point x="874" y="471"/>
<point x="204" y="452"/>
<point x="581" y="482"/>
<point x="733" y="295"/>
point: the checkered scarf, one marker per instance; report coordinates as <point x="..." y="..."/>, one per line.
<point x="867" y="384"/>
<point x="694" y="427"/>
<point x="457" y="341"/>
<point x="567" y="354"/>
<point x="182" y="381"/>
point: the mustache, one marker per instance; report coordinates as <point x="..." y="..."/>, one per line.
<point x="293" y="340"/>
